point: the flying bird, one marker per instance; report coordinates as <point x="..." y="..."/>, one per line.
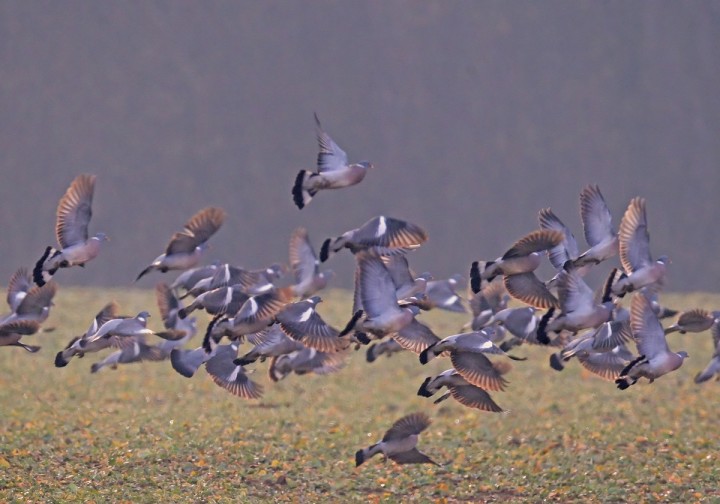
<point x="32" y="304"/>
<point x="656" y="359"/>
<point x="12" y="332"/>
<point x="79" y="346"/>
<point x="383" y="235"/>
<point x="517" y="266"/>
<point x="307" y="360"/>
<point x="303" y="323"/>
<point x="460" y="389"/>
<point x="186" y="246"/>
<point x="376" y="294"/>
<point x="399" y="442"/>
<point x="71" y="230"/>
<point x="332" y="172"/>
<point x="597" y="226"/>
<point x="137" y="350"/>
<point x="713" y="367"/>
<point x="696" y="320"/>
<point x="306" y="266"/>
<point x="634" y="244"/>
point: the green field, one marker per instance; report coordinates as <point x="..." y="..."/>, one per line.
<point x="143" y="433"/>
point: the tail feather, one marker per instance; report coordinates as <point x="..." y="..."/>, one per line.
<point x="301" y="195"/>
<point x="475" y="278"/>
<point x="362" y="338"/>
<point x="607" y="289"/>
<point x="631" y="365"/>
<point x="143" y="273"/>
<point x="244" y="361"/>
<point x="208" y="334"/>
<point x="541" y="333"/>
<point x="427" y="354"/>
<point x="41" y="277"/>
<point x="274" y="373"/>
<point x="556" y="362"/>
<point x="351" y="324"/>
<point x="325" y="250"/>
<point x="370" y="354"/>
<point x="423" y="390"/>
<point x="60" y="360"/>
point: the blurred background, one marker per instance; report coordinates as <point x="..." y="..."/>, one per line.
<point x="475" y="114"/>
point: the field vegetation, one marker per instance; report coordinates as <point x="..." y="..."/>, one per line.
<point x="143" y="433"/>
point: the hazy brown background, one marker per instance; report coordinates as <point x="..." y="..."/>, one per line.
<point x="476" y="114"/>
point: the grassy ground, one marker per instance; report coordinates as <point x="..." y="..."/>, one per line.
<point x="143" y="433"/>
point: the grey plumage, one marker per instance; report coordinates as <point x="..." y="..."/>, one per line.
<point x="186" y="247"/>
<point x="332" y="172"/>
<point x="73" y="215"/>
<point x="399" y="442"/>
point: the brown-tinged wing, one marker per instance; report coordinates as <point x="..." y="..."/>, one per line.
<point x="633" y="237"/>
<point x="205" y="223"/>
<point x="474" y="397"/>
<point x="413" y="456"/>
<point x="415" y="337"/>
<point x="414" y="423"/>
<point x="74" y="211"/>
<point x="535" y="241"/>
<point x="23" y="327"/>
<point x="478" y="370"/>
<point x="527" y="288"/>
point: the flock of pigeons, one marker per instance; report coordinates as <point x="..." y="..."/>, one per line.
<point x="277" y="313"/>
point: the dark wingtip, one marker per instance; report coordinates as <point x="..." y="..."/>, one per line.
<point x="60" y="360"/>
<point x="556" y="362"/>
<point x="359" y="458"/>
<point x="475" y="280"/>
<point x="297" y="190"/>
<point x="351" y="324"/>
<point x="38" y="269"/>
<point x="423" y="390"/>
<point x="542" y="336"/>
<point x="325" y="250"/>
